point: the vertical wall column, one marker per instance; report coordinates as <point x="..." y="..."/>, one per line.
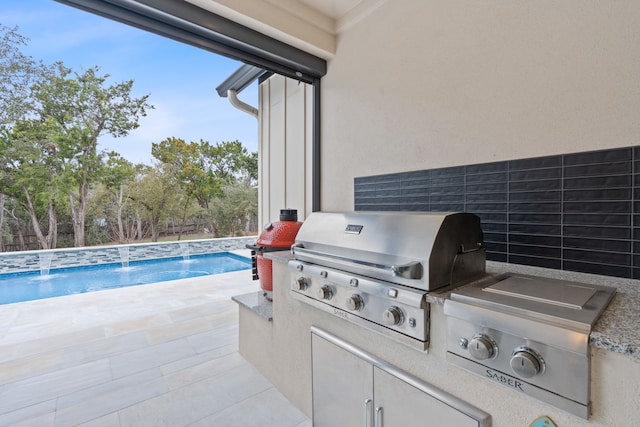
<point x="285" y="147"/>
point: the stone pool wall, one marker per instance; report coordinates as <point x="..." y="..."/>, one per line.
<point x="12" y="262"/>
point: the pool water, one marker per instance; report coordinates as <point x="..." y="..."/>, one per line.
<point x="27" y="286"/>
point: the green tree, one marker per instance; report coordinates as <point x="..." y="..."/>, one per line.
<point x="185" y="162"/>
<point x="30" y="174"/>
<point x="12" y="229"/>
<point x="229" y="161"/>
<point x="251" y="168"/>
<point x="118" y="177"/>
<point x="85" y="107"/>
<point x="208" y="173"/>
<point x="155" y="193"/>
<point x="235" y="207"/>
<point x="17" y="73"/>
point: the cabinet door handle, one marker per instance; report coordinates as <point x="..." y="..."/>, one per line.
<point x="367" y="412"/>
<point x="378" y="419"/>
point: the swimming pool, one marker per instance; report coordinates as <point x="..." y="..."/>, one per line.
<point x="27" y="286"/>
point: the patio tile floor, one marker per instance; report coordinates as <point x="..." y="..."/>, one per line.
<point x="163" y="354"/>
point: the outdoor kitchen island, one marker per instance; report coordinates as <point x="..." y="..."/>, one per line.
<point x="281" y="349"/>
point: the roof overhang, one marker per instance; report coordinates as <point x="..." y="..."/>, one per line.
<point x="242" y="78"/>
<point x="187" y="23"/>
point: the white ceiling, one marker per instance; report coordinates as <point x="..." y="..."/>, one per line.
<point x="335" y="9"/>
<point x="342" y="13"/>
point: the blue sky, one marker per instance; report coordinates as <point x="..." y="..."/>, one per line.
<point x="180" y="79"/>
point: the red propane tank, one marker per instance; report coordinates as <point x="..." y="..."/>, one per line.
<point x="276" y="236"/>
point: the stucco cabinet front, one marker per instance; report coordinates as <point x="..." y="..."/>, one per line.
<point x="281" y="348"/>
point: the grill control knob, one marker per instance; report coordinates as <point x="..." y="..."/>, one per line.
<point x="355" y="302"/>
<point x="526" y="363"/>
<point x="325" y="292"/>
<point x="302" y="283"/>
<point x="392" y="316"/>
<point x="482" y="347"/>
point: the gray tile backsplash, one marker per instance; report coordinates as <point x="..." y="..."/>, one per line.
<point x="577" y="212"/>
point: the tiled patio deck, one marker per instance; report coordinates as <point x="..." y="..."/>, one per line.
<point x="155" y="355"/>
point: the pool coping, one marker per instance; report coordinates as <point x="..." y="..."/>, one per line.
<point x="23" y="261"/>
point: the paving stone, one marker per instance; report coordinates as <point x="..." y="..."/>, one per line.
<point x="96" y="402"/>
<point x="111" y="420"/>
<point x="16" y="369"/>
<point x="149" y="357"/>
<point x="199" y="359"/>
<point x="40" y="388"/>
<point x="153" y="355"/>
<point x="137" y="324"/>
<point x="202" y="371"/>
<point x="186" y="405"/>
<point x="267" y="408"/>
<point x="176" y="330"/>
<point x="118" y="389"/>
<point x="38" y="415"/>
<point x="105" y="347"/>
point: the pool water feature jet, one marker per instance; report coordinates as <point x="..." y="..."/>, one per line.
<point x="45" y="262"/>
<point x="124" y="255"/>
<point x="184" y="249"/>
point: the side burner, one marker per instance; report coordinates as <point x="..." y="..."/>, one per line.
<point x="528" y="333"/>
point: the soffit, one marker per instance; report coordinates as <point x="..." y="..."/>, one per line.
<point x="333" y="8"/>
<point x="310" y="25"/>
<point x="345" y="13"/>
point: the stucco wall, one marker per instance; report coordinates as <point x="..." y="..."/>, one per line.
<point x="426" y="84"/>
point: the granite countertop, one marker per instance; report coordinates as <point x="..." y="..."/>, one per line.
<point x="256" y="302"/>
<point x="617" y="329"/>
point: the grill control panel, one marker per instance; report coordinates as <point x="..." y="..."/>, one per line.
<point x="397" y="311"/>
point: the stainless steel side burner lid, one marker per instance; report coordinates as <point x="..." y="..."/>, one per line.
<point x="528" y="333"/>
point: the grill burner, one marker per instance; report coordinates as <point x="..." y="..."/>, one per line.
<point x="528" y="333"/>
<point x="375" y="268"/>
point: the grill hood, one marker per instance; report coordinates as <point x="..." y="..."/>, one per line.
<point x="422" y="250"/>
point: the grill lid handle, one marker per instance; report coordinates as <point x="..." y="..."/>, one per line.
<point x="410" y="270"/>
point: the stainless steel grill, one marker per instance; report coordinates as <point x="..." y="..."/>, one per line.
<point x="375" y="268"/>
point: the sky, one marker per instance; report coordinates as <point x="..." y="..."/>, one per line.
<point x="180" y="79"/>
